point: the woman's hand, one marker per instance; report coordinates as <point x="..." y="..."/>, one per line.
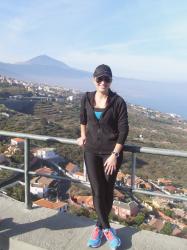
<point x="110" y="164"/>
<point x="81" y="141"/>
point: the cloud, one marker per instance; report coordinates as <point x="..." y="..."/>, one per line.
<point x="132" y="66"/>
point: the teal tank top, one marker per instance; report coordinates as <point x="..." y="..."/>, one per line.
<point x="98" y="113"/>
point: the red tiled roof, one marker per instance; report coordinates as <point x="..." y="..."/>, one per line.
<point x="120" y="175"/>
<point x="49" y="204"/>
<point x="70" y="166"/>
<point x="170" y="188"/>
<point x="157" y="224"/>
<point x="18" y="139"/>
<point x="42" y="181"/>
<point x="79" y="173"/>
<point x="84" y="199"/>
<point x="44" y="170"/>
<point x="118" y="194"/>
<point x="164" y="180"/>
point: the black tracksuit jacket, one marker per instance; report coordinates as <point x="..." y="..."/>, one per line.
<point x="102" y="135"/>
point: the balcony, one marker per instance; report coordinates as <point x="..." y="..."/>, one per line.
<point x="41" y="228"/>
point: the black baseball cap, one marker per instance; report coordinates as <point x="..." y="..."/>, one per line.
<point x="102" y="70"/>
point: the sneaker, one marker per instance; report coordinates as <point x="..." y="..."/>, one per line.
<point x="113" y="240"/>
<point x="96" y="237"/>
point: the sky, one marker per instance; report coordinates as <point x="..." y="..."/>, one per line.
<point x="139" y="39"/>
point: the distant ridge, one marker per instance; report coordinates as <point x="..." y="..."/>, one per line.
<point x="45" y="69"/>
<point x="46" y="61"/>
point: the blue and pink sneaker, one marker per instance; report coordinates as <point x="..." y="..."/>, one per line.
<point x="113" y="240"/>
<point x="96" y="237"/>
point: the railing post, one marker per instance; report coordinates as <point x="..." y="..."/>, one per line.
<point x="133" y="181"/>
<point x="26" y="174"/>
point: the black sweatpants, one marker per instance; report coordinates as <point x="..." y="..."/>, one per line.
<point x="102" y="185"/>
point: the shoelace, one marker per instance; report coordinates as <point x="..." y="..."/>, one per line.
<point x="95" y="233"/>
<point x="109" y="235"/>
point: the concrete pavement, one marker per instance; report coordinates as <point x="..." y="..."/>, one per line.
<point x="42" y="228"/>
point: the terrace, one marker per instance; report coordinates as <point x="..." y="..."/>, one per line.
<point x="22" y="227"/>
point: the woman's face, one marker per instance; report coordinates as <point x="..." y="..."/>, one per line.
<point x="102" y="83"/>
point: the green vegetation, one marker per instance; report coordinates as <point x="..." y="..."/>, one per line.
<point x="168" y="212"/>
<point x="17" y="192"/>
<point x="79" y="211"/>
<point x="139" y="219"/>
<point x="167" y="229"/>
<point x="78" y="189"/>
<point x="6" y="91"/>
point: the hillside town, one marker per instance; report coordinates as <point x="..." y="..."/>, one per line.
<point x="40" y="91"/>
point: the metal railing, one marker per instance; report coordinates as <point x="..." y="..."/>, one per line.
<point x="129" y="148"/>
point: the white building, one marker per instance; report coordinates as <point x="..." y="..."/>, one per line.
<point x="17" y="142"/>
<point x="79" y="176"/>
<point x="70" y="98"/>
<point x="40" y="185"/>
<point x="71" y="168"/>
<point x="45" y="153"/>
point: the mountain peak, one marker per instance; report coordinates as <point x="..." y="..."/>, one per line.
<point x="46" y="61"/>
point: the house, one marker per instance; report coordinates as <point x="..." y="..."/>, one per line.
<point x="45" y="153"/>
<point x="164" y="181"/>
<point x="83" y="200"/>
<point x="71" y="168"/>
<point x="79" y="175"/>
<point x="183" y="234"/>
<point x="157" y="224"/>
<point x="19" y="142"/>
<point x="44" y="170"/>
<point x="165" y="217"/>
<point x="184" y="191"/>
<point x="176" y="231"/>
<point x="180" y="212"/>
<point x="69" y="98"/>
<point x="140" y="183"/>
<point x="148" y="186"/>
<point x="128" y="181"/>
<point x="147" y="205"/>
<point x="40" y="185"/>
<point x="170" y="189"/>
<point x="58" y="205"/>
<point x="120" y="176"/>
<point x="5" y="114"/>
<point x="143" y="184"/>
<point x="11" y="150"/>
<point x="118" y="195"/>
<point x="125" y="210"/>
<point x="160" y="202"/>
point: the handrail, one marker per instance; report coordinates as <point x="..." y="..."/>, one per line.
<point x="155" y="151"/>
<point x="128" y="148"/>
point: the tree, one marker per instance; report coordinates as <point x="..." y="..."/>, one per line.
<point x="169" y="213"/>
<point x="139" y="219"/>
<point x="17" y="192"/>
<point x="167" y="229"/>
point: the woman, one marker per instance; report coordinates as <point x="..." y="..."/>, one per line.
<point x="104" y="129"/>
